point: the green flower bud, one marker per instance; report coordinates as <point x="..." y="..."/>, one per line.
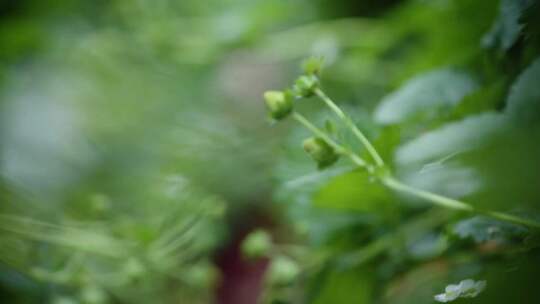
<point x="305" y="85"/>
<point x="320" y="151"/>
<point x="313" y="65"/>
<point x="257" y="244"/>
<point x="280" y="104"/>
<point x="283" y="271"/>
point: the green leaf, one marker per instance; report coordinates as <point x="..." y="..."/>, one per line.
<point x="425" y="95"/>
<point x="444" y="178"/>
<point x="427" y="246"/>
<point x="484" y="158"/>
<point x="506" y="29"/>
<point x="486" y="98"/>
<point x="482" y="229"/>
<point x="346" y="287"/>
<point x="453" y="138"/>
<point x="353" y="191"/>
<point x="523" y="104"/>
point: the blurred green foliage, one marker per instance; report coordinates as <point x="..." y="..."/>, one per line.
<point x="133" y="141"/>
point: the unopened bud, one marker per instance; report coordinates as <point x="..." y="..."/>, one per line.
<point x="320" y="151"/>
<point x="305" y="85"/>
<point x="257" y="244"/>
<point x="283" y="271"/>
<point x="313" y="65"/>
<point x="279" y="104"/>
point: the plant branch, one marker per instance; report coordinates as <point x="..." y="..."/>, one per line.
<point x="397" y="185"/>
<point x="436" y="199"/>
<point x="339" y="148"/>
<point x="450" y="203"/>
<point x="348" y="121"/>
<point x="511" y="218"/>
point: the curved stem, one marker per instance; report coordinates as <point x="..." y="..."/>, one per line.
<point x="363" y="139"/>
<point x="339" y="148"/>
<point x="436" y="199"/>
<point x="512" y="218"/>
<point x="450" y="203"/>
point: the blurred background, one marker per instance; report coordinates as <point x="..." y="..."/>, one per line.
<point x="136" y="153"/>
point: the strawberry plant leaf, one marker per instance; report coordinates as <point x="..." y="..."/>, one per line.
<point x="523" y="104"/>
<point x="482" y="229"/>
<point x="425" y="96"/>
<point x="452" y="138"/>
<point x="354" y="191"/>
<point x="344" y="287"/>
<point x="506" y="29"/>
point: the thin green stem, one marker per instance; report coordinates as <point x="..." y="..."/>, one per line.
<point x="436" y="199"/>
<point x="339" y="148"/>
<point x="450" y="203"/>
<point x="348" y="121"/>
<point x="512" y="218"/>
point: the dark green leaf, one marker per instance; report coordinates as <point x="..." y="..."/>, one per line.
<point x="451" y="139"/>
<point x="507" y="28"/>
<point x="353" y="191"/>
<point x="346" y="287"/>
<point x="523" y="104"/>
<point x="482" y="229"/>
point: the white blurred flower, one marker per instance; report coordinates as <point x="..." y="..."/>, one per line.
<point x="465" y="289"/>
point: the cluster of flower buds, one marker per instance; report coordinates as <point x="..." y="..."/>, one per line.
<point x="281" y="103"/>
